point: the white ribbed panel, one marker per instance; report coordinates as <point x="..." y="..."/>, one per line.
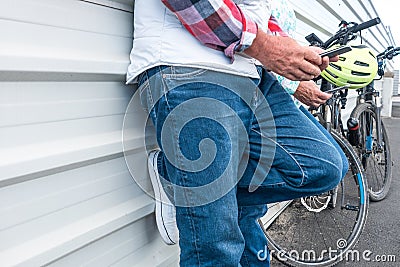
<point x="66" y="195"/>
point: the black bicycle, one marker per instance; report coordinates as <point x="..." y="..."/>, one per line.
<point x="367" y="133"/>
<point x="321" y="230"/>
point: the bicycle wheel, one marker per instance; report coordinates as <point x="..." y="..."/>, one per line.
<point x="375" y="157"/>
<point x="321" y="230"/>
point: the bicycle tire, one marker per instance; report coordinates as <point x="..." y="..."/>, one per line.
<point x="335" y="228"/>
<point x="377" y="165"/>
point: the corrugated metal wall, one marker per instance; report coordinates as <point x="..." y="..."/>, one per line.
<point x="322" y="17"/>
<point x="67" y="197"/>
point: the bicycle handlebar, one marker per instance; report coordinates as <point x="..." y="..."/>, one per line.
<point x="383" y="54"/>
<point x="389" y="53"/>
<point x="392" y="53"/>
<point x="344" y="35"/>
<point x="367" y="24"/>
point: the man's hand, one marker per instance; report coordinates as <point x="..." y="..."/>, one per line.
<point x="286" y="57"/>
<point x="325" y="60"/>
<point x="308" y="93"/>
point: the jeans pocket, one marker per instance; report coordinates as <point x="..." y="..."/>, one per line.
<point x="183" y="73"/>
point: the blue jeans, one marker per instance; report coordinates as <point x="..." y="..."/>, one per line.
<point x="231" y="145"/>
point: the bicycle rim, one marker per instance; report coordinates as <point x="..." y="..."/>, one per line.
<point x="300" y="237"/>
<point x="375" y="158"/>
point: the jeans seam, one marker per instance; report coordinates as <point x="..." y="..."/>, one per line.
<point x="297" y="163"/>
<point x="244" y="255"/>
<point x="149" y="94"/>
<point x="188" y="75"/>
<point x="288" y="153"/>
<point x="183" y="175"/>
<point x="144" y="86"/>
<point x="194" y="236"/>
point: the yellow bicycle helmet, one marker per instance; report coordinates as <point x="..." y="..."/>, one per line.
<point x="357" y="68"/>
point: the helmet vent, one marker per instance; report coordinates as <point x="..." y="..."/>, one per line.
<point x="357" y="73"/>
<point x="353" y="82"/>
<point x="335" y="66"/>
<point x="330" y="73"/>
<point x="359" y="63"/>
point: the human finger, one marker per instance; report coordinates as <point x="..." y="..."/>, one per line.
<point x="325" y="63"/>
<point x="300" y="75"/>
<point x="324" y="96"/>
<point x="334" y="59"/>
<point x="310" y="69"/>
<point x="312" y="56"/>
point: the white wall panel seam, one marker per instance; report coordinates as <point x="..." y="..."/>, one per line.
<point x="66" y="41"/>
<point x="33" y="175"/>
<point x="370" y="16"/>
<point x="57" y="244"/>
<point x="311" y="23"/>
<point x="118" y="5"/>
<point x="331" y="10"/>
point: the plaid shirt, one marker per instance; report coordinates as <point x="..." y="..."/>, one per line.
<point x="219" y="24"/>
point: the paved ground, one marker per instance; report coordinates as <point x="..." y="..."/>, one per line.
<point x="382" y="231"/>
<point x="381" y="235"/>
<point x="396" y="108"/>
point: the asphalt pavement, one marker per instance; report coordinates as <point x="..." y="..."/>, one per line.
<point x="379" y="244"/>
<point x="381" y="236"/>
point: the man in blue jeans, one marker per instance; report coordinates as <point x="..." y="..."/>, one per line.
<point x="231" y="139"/>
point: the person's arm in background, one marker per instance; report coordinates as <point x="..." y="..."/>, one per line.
<point x="282" y="22"/>
<point x="309" y="94"/>
<point x="220" y="24"/>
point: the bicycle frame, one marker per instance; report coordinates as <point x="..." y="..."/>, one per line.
<point x="329" y="115"/>
<point x="330" y="112"/>
<point x="370" y="95"/>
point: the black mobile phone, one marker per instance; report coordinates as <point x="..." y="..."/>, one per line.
<point x="338" y="88"/>
<point x="336" y="51"/>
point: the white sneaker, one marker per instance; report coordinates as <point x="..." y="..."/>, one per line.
<point x="165" y="210"/>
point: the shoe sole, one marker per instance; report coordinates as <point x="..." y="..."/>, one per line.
<point x="157" y="187"/>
